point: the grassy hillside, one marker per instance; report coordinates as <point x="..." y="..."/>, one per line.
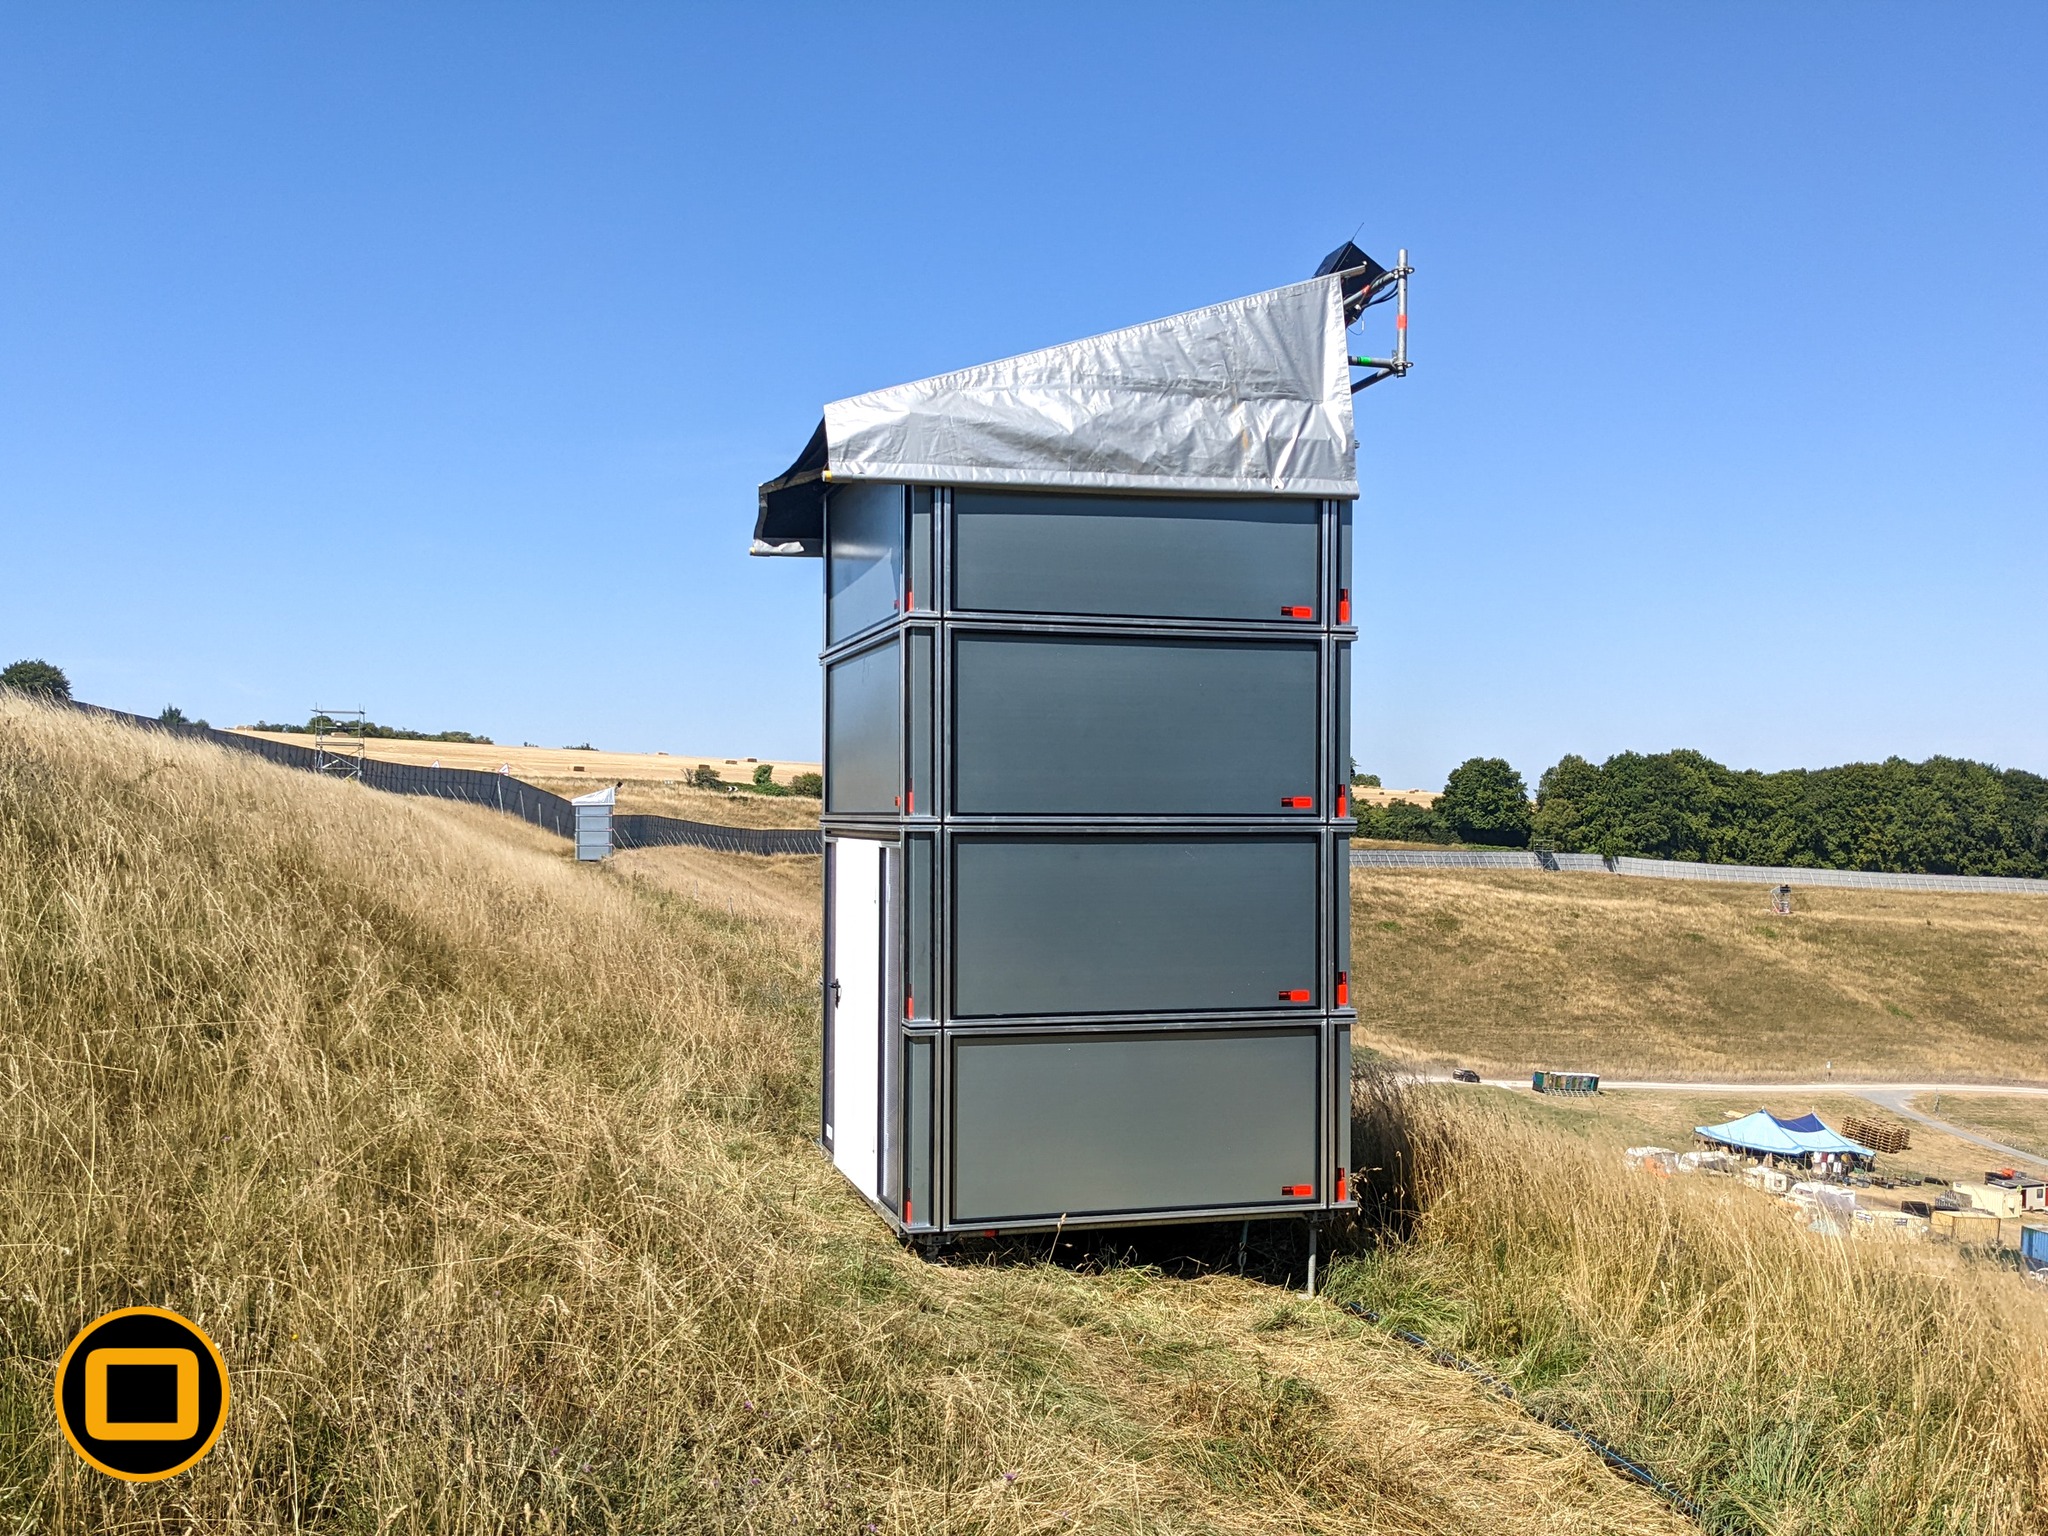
<point x="491" y="1175"/>
<point x="1793" y="1383"/>
<point x="1506" y="971"/>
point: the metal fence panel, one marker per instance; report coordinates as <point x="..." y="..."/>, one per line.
<point x="499" y="791"/>
<point x="669" y="831"/>
<point x="1680" y="869"/>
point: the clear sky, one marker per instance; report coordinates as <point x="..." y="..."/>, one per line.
<point x="426" y="357"/>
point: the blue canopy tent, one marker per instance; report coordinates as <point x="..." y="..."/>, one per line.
<point x="1765" y="1135"/>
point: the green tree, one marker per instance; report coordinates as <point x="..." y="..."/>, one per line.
<point x="1484" y="801"/>
<point x="1403" y="821"/>
<point x="811" y="784"/>
<point x="1567" y="801"/>
<point x="704" y="776"/>
<point x="764" y="774"/>
<point x="172" y="715"/>
<point x="38" y="678"/>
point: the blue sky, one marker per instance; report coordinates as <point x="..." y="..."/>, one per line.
<point x="426" y="357"/>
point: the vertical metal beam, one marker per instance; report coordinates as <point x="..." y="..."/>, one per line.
<point x="1401" y="313"/>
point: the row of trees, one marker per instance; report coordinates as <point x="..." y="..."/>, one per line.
<point x="1944" y="816"/>
<point x="370" y="729"/>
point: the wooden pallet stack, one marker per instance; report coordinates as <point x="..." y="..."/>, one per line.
<point x="1878" y="1135"/>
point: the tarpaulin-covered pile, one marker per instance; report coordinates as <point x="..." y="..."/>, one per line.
<point x="1251" y="397"/>
<point x="1764" y="1134"/>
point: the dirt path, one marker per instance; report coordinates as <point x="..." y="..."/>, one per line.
<point x="1897" y="1100"/>
<point x="1861" y="1090"/>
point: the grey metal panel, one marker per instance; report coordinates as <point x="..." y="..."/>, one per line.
<point x="1343" y="670"/>
<point x="1096" y="924"/>
<point x="919" y="1052"/>
<point x="1227" y="558"/>
<point x="1077" y="1124"/>
<point x="919" y="855"/>
<point x="921" y="707"/>
<point x="1342" y="1074"/>
<point x="1346" y="589"/>
<point x="863" y="558"/>
<point x="863" y="731"/>
<point x="1053" y="724"/>
<point x="921" y="590"/>
<point x="593" y="832"/>
<point x="1340" y="906"/>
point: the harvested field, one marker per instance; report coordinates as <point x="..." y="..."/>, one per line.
<point x="534" y="763"/>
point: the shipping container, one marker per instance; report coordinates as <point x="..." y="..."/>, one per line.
<point x="1087" y="745"/>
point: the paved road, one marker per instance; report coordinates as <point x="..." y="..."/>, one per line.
<point x="1838" y="1085"/>
<point x="1896" y="1097"/>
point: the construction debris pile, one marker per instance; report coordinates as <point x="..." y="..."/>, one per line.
<point x="1817" y="1173"/>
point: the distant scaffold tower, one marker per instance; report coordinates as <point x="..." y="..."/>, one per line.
<point x="1087" y="652"/>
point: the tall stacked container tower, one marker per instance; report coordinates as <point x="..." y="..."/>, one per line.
<point x="1087" y="661"/>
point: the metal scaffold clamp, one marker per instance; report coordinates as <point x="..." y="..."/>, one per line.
<point x="1368" y="283"/>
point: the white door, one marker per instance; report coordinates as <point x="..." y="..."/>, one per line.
<point x="856" y="1001"/>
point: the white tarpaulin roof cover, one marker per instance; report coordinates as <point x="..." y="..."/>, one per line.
<point x="1248" y="397"/>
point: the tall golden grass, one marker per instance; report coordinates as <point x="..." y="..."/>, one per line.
<point x="1790" y="1381"/>
<point x="491" y="1176"/>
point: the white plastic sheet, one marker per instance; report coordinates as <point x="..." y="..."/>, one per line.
<point x="1251" y="396"/>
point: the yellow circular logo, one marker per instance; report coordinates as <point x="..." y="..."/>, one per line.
<point x="141" y="1394"/>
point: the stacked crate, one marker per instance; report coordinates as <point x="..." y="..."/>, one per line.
<point x="1087" y="845"/>
<point x="1878" y="1135"/>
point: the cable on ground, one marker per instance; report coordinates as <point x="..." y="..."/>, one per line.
<point x="1607" y="1453"/>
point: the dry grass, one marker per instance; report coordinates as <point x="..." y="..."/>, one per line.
<point x="1792" y="1383"/>
<point x="491" y="1176"/>
<point x="2018" y="1122"/>
<point x="1509" y="971"/>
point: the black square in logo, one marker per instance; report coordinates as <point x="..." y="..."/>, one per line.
<point x="142" y="1394"/>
